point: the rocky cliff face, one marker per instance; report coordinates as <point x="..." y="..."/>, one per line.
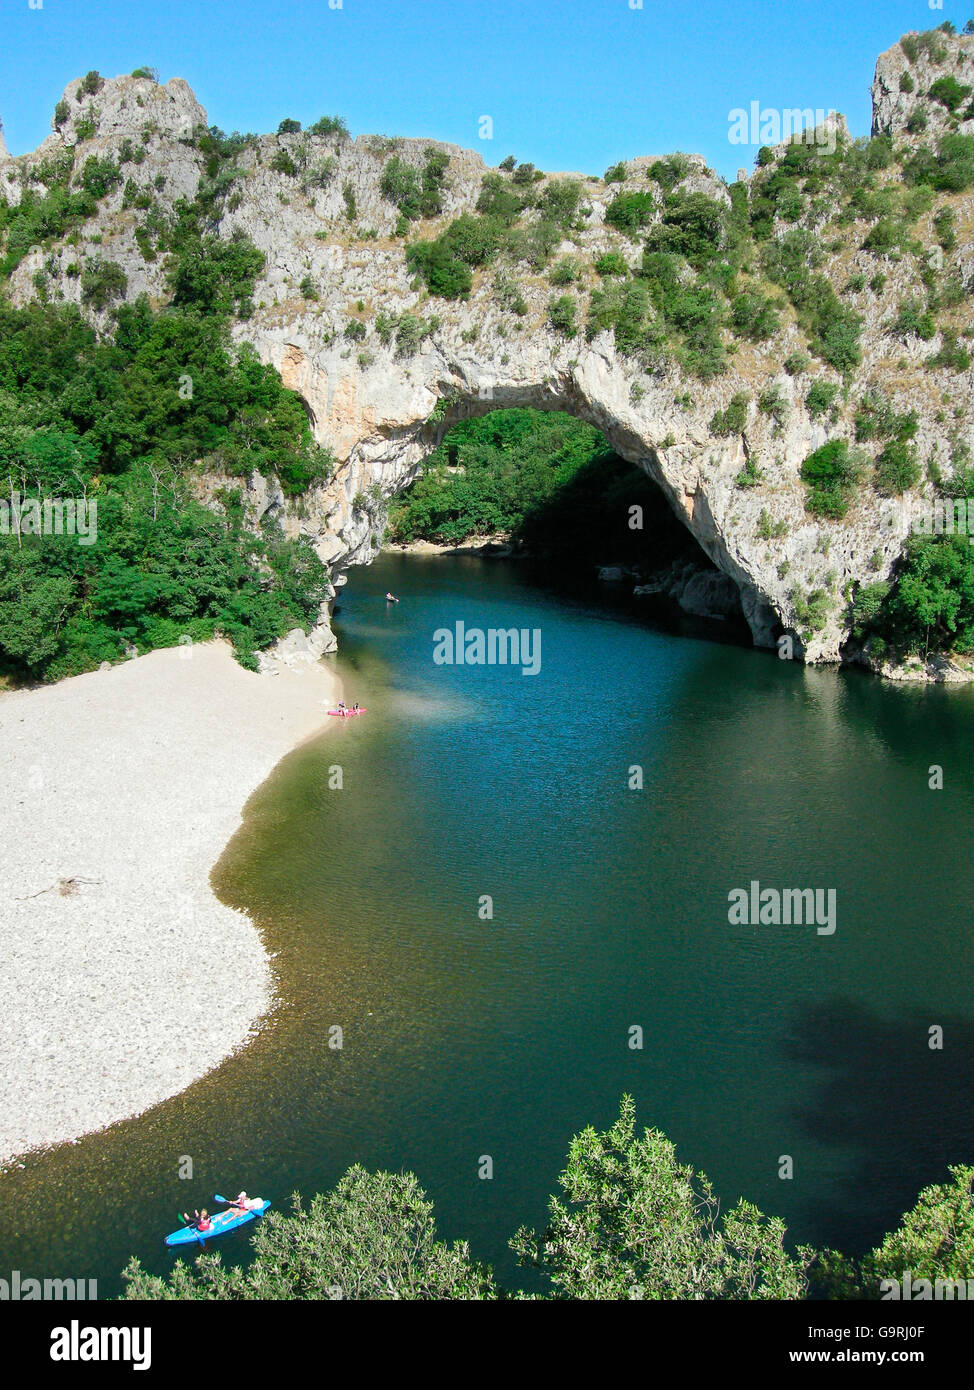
<point x="381" y="413"/>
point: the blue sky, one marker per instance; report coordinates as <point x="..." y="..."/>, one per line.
<point x="568" y="84"/>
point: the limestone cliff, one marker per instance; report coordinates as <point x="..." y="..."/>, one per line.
<point x="336" y="239"/>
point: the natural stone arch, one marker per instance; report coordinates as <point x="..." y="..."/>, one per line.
<point x="383" y="440"/>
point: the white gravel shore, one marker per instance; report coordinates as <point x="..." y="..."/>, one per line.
<point x="131" y="781"/>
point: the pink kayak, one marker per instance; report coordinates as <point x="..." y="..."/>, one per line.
<point x="345" y="713"/>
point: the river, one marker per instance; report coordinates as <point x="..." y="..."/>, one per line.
<point x="464" y="1038"/>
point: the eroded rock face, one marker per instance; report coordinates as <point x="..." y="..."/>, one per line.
<point x="373" y="406"/>
<point x="902" y="81"/>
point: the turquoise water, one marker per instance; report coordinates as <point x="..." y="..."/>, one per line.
<point x="465" y="1037"/>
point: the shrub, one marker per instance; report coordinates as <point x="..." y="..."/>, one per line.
<point x="754" y="316"/>
<point x="830" y="473"/>
<point x="949" y="92"/>
<point x="943" y="224"/>
<point x="527" y="173"/>
<point x="444" y="273"/>
<point x="875" y="417"/>
<point x="329" y="125"/>
<point x="282" y="163"/>
<point x="559" y="203"/>
<point x="435" y="164"/>
<point x="906" y="83"/>
<point x="897" y="468"/>
<point x="630" y="211"/>
<point x="796" y="363"/>
<point x="952" y="354"/>
<point x="950" y="170"/>
<point x="99" y="177"/>
<point x="821" y="397"/>
<point x="410" y="332"/>
<point x="355" y="330"/>
<point x="616" y="174"/>
<point x="400" y="184"/>
<point x="61" y="112"/>
<point x="562" y="315"/>
<point x="91" y="84"/>
<point x="669" y="172"/>
<point x="446" y="262"/>
<point x="508" y="165"/>
<point x="693" y="226"/>
<point x="151" y="74"/>
<point x="626" y="309"/>
<point x="102" y="282"/>
<point x="769" y="530"/>
<point x="348" y="194"/>
<point x="772" y="402"/>
<point x="564" y="272"/>
<point x="749" y="476"/>
<point x="611" y="263"/>
<point x="913" y="319"/>
<point x="213" y="275"/>
<point x="732" y="420"/>
<point x="307" y="288"/>
<point x="508" y="294"/>
<point x="321" y="175"/>
<point x="811" y="610"/>
<point x="887" y="235"/>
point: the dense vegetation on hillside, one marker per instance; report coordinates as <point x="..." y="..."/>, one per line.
<point x="122" y="421"/>
<point x="632" y="1223"/>
<point x="546" y="480"/>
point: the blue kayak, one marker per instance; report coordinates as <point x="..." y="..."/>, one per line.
<point x="220" y="1223"/>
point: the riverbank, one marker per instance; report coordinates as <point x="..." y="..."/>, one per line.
<point x="499" y="547"/>
<point x="125" y="979"/>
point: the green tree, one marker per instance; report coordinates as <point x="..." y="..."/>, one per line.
<point x="636" y="1224"/>
<point x="934" y="1240"/>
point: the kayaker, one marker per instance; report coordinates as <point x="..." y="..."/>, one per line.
<point x="355" y="709"/>
<point x="244" y="1203"/>
<point x="199" y="1221"/>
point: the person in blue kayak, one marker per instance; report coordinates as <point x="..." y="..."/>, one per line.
<point x="199" y="1221"/>
<point x="244" y="1203"/>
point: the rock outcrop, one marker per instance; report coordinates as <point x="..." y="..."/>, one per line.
<point x="381" y="412"/>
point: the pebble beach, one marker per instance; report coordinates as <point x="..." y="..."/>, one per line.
<point x="123" y="787"/>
